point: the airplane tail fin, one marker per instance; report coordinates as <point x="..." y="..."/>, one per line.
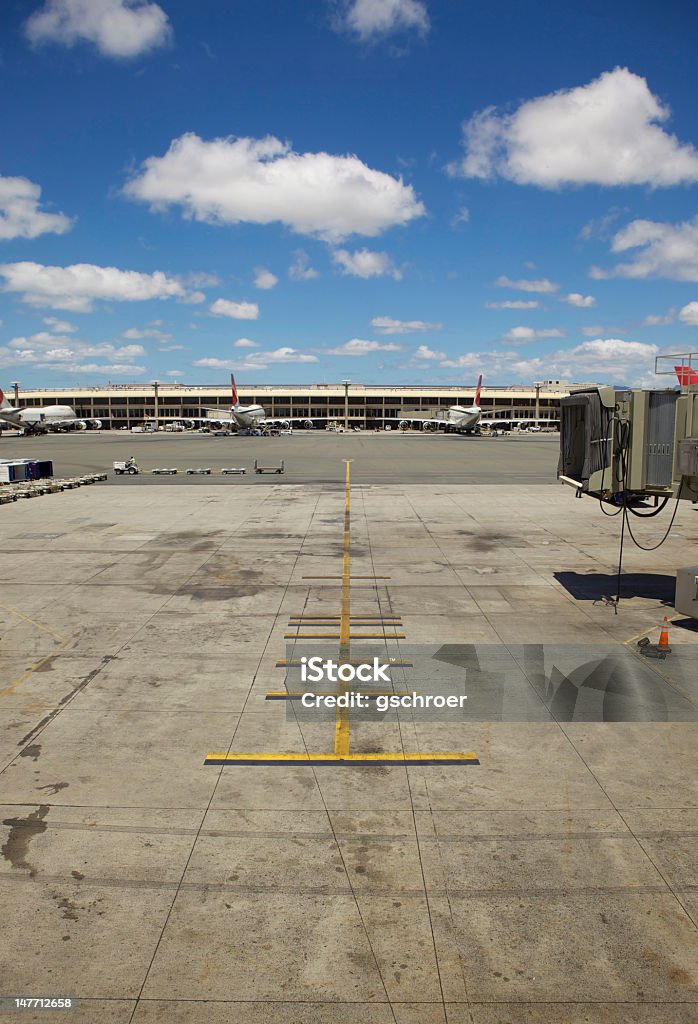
<point x="235" y="390"/>
<point x="4" y="403"/>
<point x="477" y="390"/>
<point x="687" y="375"/>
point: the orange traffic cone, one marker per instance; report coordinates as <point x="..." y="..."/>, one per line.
<point x="663" y="644"/>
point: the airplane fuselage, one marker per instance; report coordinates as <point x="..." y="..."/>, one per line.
<point x="40" y="419"/>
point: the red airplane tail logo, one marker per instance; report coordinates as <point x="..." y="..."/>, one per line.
<point x="235" y="390"/>
<point x="687" y="375"/>
<point x="478" y="389"/>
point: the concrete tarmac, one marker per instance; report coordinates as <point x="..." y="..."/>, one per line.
<point x="552" y="883"/>
<point x="309" y="456"/>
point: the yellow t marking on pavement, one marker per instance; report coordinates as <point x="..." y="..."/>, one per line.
<point x="367" y="759"/>
<point x="61" y="640"/>
<point x="341" y="728"/>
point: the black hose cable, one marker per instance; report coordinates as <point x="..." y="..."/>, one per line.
<point x="654" y="547"/>
<point x="654" y="512"/>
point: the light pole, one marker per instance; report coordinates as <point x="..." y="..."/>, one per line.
<point x="346" y="384"/>
<point x="15" y="384"/>
<point x="537" y="384"/>
<point x="156" y="385"/>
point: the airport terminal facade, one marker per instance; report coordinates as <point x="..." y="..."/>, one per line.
<point x="366" y="406"/>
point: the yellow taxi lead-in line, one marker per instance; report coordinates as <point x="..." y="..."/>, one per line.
<point x="308" y="759"/>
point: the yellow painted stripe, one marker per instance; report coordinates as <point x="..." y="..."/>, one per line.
<point x="342" y="720"/>
<point x="338" y="636"/>
<point x="39" y="625"/>
<point x="306" y="758"/>
<point x="62" y="644"/>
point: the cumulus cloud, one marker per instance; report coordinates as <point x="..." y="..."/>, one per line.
<point x="582" y="301"/>
<point x="428" y="354"/>
<point x="79" y="286"/>
<point x="664" y="250"/>
<point x="386" y="325"/>
<point x="264" y="279"/>
<point x="365" y="263"/>
<point x="260" y="181"/>
<point x="360" y="347"/>
<point x="20" y="215"/>
<point x="520" y="335"/>
<point x="659" y="319"/>
<point x="134" y="334"/>
<point x="300" y="269"/>
<point x="59" y="326"/>
<point x="371" y="19"/>
<point x="258" y="360"/>
<point x="48" y="351"/>
<point x="602" y="360"/>
<point x="542" y="285"/>
<point x="118" y="28"/>
<point x="245" y="343"/>
<point x="607" y="132"/>
<point x="513" y="304"/>
<point x="689" y="314"/>
<point x="235" y="310"/>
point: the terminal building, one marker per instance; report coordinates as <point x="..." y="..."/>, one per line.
<point x="357" y="405"/>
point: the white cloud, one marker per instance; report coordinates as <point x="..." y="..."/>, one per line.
<point x="20" y="216"/>
<point x="386" y="325"/>
<point x="513" y="304"/>
<point x="542" y="285"/>
<point x="657" y="320"/>
<point x="665" y="250"/>
<point x="300" y="269"/>
<point x="258" y="360"/>
<point x="134" y="334"/>
<point x="689" y="314"/>
<point x="520" y="335"/>
<point x="426" y="353"/>
<point x="607" y="132"/>
<point x="46" y="351"/>
<point x="582" y="301"/>
<point x="360" y="347"/>
<point x="264" y="279"/>
<point x="78" y="286"/>
<point x="59" y="326"/>
<point x="365" y="263"/>
<point x="260" y="181"/>
<point x="593" y="331"/>
<point x="609" y="360"/>
<point x="371" y="19"/>
<point x="462" y="217"/>
<point x="174" y="373"/>
<point x="118" y="28"/>
<point x="235" y="310"/>
<point x="245" y="343"/>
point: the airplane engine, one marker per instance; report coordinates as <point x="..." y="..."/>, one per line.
<point x="285" y="425"/>
<point x="428" y="427"/>
<point x="80" y="425"/>
<point x="307" y="424"/>
<point x="404" y="424"/>
<point x="188" y="424"/>
<point x="95" y="424"/>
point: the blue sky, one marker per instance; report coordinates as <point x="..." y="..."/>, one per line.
<point x="395" y="191"/>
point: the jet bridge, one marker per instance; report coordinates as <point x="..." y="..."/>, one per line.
<point x="624" y="445"/>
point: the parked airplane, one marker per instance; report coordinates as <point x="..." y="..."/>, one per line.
<point x="40" y="419"/>
<point x="253" y="417"/>
<point x="458" y="418"/>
